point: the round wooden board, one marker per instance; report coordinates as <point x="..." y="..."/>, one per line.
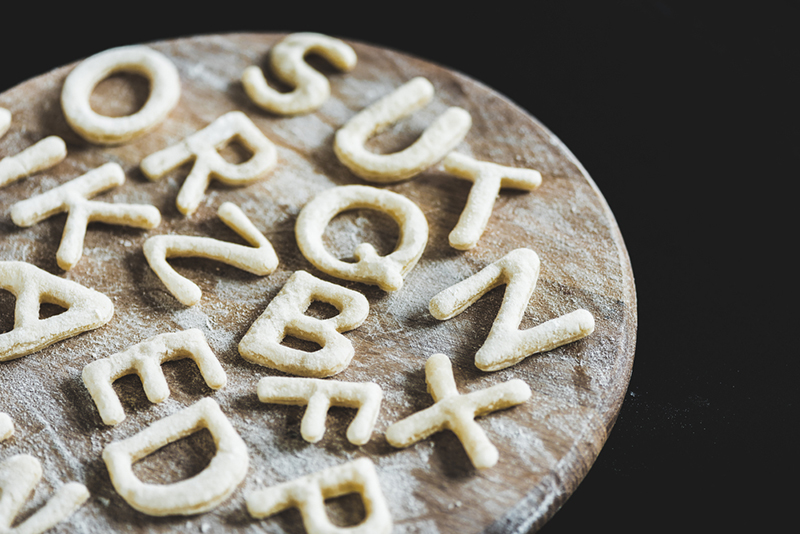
<point x="546" y="444"/>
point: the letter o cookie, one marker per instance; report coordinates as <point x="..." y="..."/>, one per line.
<point x="386" y="272"/>
<point x="164" y="93"/>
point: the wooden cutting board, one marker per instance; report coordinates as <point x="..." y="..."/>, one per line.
<point x="546" y="444"/>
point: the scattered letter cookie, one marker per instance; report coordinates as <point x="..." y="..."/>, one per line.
<point x="208" y="163"/>
<point x="86" y="309"/>
<point x="5" y="121"/>
<point x="194" y="495"/>
<point x="386" y="272"/>
<point x="309" y="493"/>
<point x="457" y="412"/>
<point x="436" y="141"/>
<point x="72" y="197"/>
<point x="506" y="345"/>
<point x="19" y="475"/>
<point x="285" y="315"/>
<point x="43" y="155"/>
<point x="286" y="60"/>
<point x="488" y="178"/>
<point x="6" y="427"/>
<point x="320" y="395"/>
<point x="145" y="360"/>
<point x="165" y="89"/>
<point x="260" y="260"/>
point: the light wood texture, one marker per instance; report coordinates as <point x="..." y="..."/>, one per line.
<point x="546" y="444"/>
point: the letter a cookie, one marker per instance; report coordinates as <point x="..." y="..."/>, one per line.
<point x="86" y="309"/>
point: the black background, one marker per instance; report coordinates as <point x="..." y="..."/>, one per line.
<point x="682" y="112"/>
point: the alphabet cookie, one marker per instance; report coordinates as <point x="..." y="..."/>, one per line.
<point x="202" y="147"/>
<point x="200" y="493"/>
<point x="259" y="259"/>
<point x="86" y="309"/>
<point x="320" y="395"/>
<point x="165" y="90"/>
<point x="6" y="427"/>
<point x="73" y="197"/>
<point x="285" y="315"/>
<point x="457" y="412"/>
<point x="19" y="476"/>
<point x="286" y="60"/>
<point x="436" y="141"/>
<point x="386" y="272"/>
<point x="309" y="493"/>
<point x="145" y="360"/>
<point x="505" y="344"/>
<point x="38" y="157"/>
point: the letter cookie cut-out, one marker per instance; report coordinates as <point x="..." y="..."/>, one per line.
<point x="195" y="495"/>
<point x="145" y="359"/>
<point x="208" y="163"/>
<point x="386" y="272"/>
<point x="309" y="493"/>
<point x="19" y="475"/>
<point x="6" y="427"/>
<point x="165" y="89"/>
<point x="38" y="157"/>
<point x="442" y="136"/>
<point x="506" y="345"/>
<point x="72" y="197"/>
<point x="457" y="412"/>
<point x="487" y="178"/>
<point x="320" y="395"/>
<point x="285" y="315"/>
<point x="5" y="121"/>
<point x="86" y="309"/>
<point x="312" y="89"/>
<point x="260" y="260"/>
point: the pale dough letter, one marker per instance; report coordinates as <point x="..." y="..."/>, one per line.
<point x="286" y="60"/>
<point x="506" y="345"/>
<point x="436" y="141"/>
<point x="195" y="495"/>
<point x="165" y="89"/>
<point x="43" y="155"/>
<point x="285" y="315"/>
<point x="386" y="272"/>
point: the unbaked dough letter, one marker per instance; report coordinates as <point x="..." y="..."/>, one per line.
<point x="285" y="315"/>
<point x="506" y="345"/>
<point x="194" y="495"/>
<point x="72" y="197"/>
<point x="43" y="155"/>
<point x="286" y="60"/>
<point x="19" y="475"/>
<point x="145" y="359"/>
<point x="208" y="163"/>
<point x="436" y="141"/>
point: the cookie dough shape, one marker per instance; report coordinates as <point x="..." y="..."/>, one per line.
<point x="86" y="309"/>
<point x="38" y="157"/>
<point x="386" y="272"/>
<point x="320" y="395"/>
<point x="72" y="197"/>
<point x="309" y="493"/>
<point x="165" y="89"/>
<point x="195" y="495"/>
<point x="286" y="61"/>
<point x="457" y="412"/>
<point x="145" y="359"/>
<point x="6" y="427"/>
<point x="260" y="260"/>
<point x="5" y="121"/>
<point x="442" y="136"/>
<point x="208" y="163"/>
<point x="19" y="475"/>
<point x="506" y="345"/>
<point x="285" y="315"/>
<point x="487" y="178"/>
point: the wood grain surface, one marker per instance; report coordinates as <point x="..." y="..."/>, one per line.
<point x="546" y="444"/>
